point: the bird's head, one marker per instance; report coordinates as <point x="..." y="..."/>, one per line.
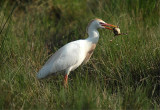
<point x="98" y="23"/>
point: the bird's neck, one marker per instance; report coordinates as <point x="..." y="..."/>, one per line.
<point x="93" y="35"/>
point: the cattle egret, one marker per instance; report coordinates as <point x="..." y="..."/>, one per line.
<point x="73" y="54"/>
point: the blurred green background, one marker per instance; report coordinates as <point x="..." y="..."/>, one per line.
<point x="122" y="74"/>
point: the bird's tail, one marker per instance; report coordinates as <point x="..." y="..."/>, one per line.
<point x="44" y="72"/>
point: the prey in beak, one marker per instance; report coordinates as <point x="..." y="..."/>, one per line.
<point x="114" y="28"/>
<point x="117" y="32"/>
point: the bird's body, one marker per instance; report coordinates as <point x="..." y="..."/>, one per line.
<point x="68" y="57"/>
<point x="73" y="54"/>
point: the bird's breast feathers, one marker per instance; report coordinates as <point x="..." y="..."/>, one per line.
<point x="89" y="53"/>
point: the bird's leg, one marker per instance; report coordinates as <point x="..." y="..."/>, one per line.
<point x="66" y="80"/>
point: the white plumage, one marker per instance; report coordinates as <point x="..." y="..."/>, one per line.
<point x="73" y="54"/>
<point x="67" y="58"/>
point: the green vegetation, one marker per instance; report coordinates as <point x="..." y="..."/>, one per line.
<point x="122" y="74"/>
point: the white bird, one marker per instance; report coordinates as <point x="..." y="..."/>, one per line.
<point x="73" y="54"/>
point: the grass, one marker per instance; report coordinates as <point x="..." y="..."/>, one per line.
<point x="122" y="74"/>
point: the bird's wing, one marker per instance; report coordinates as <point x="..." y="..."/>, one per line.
<point x="65" y="57"/>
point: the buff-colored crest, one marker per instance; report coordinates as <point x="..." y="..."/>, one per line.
<point x="92" y="21"/>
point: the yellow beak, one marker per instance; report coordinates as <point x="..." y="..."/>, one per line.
<point x="108" y="26"/>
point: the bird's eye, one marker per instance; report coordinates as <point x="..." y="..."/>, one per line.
<point x="101" y="23"/>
